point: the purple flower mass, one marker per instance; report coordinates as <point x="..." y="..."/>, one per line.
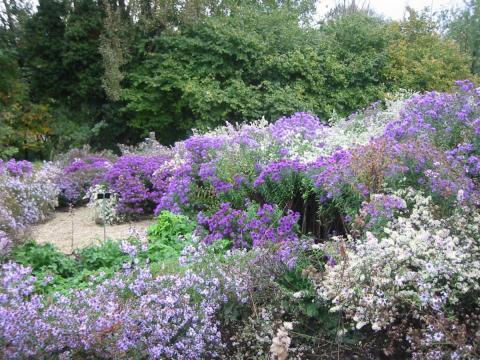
<point x="276" y="170"/>
<point x="250" y="228"/>
<point x="27" y="196"/>
<point x="171" y="316"/>
<point x="241" y="183"/>
<point x="133" y="178"/>
<point x="367" y="168"/>
<point x="19" y="168"/>
<point x="380" y="208"/>
<point x="79" y="174"/>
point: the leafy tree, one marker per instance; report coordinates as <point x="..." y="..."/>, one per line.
<point x="225" y="68"/>
<point x="115" y="41"/>
<point x="81" y="58"/>
<point x="358" y="42"/>
<point x="350" y="7"/>
<point x="41" y="51"/>
<point x="254" y="64"/>
<point x="24" y="126"/>
<point x="63" y="64"/>
<point x="420" y="59"/>
<point x="463" y="26"/>
<point x="12" y="15"/>
<point x="12" y="88"/>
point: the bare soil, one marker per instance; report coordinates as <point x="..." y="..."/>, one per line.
<point x="69" y="231"/>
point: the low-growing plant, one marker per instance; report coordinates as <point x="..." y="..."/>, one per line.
<point x="168" y="236"/>
<point x="45" y="258"/>
<point x="106" y="255"/>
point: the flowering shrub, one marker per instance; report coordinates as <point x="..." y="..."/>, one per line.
<point x="387" y="163"/>
<point x="139" y="314"/>
<point x="81" y="168"/>
<point x="375" y="214"/>
<point x="27" y="196"/>
<point x="250" y="228"/>
<point x="79" y="175"/>
<point x="105" y="209"/>
<point x="258" y="226"/>
<point x="176" y="181"/>
<point x="5" y="244"/>
<point x="150" y="146"/>
<point x="132" y="178"/>
<point x="224" y="163"/>
<point x="447" y="119"/>
<point x="423" y="269"/>
<point x="134" y="313"/>
<point x="19" y="168"/>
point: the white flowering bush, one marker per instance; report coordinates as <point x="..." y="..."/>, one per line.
<point x="105" y="209"/>
<point x="422" y="267"/>
<point x="150" y="146"/>
<point x="361" y="127"/>
<point x="305" y="137"/>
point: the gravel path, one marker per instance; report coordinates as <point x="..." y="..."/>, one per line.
<point x="58" y="230"/>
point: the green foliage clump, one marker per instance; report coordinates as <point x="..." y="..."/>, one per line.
<point x="56" y="271"/>
<point x="356" y="45"/>
<point x="45" y="259"/>
<point x="233" y="68"/>
<point x="258" y="64"/>
<point x="106" y="255"/>
<point x="168" y="236"/>
<point x="420" y="59"/>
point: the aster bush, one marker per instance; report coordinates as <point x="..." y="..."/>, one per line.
<point x="79" y="176"/>
<point x="132" y="178"/>
<point x="28" y="195"/>
<point x="138" y="311"/>
<point x="5" y="243"/>
<point x="448" y="119"/>
<point x="350" y="177"/>
<point x="256" y="226"/>
<point x="81" y="169"/>
<point x="137" y="314"/>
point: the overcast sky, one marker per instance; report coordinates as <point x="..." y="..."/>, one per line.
<point x="393" y="9"/>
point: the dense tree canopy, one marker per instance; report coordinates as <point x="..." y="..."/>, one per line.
<point x="102" y="72"/>
<point x="267" y="64"/>
<point x="229" y="68"/>
<point x="419" y="58"/>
